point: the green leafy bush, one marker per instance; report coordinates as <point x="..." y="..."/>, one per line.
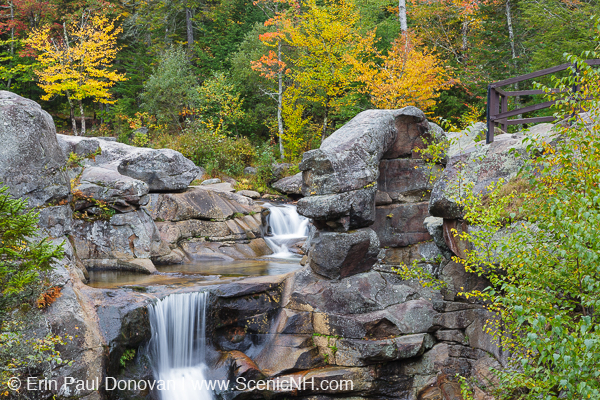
<point x="543" y="261"/>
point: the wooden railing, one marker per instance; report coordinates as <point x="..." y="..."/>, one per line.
<point x="497" y="101"/>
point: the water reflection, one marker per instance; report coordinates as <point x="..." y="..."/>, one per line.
<point x="199" y="272"/>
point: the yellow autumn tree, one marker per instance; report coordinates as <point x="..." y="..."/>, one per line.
<point x="409" y="75"/>
<point x="324" y="34"/>
<point x="78" y="62"/>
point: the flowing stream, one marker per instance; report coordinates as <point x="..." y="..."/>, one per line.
<point x="287" y="227"/>
<point x="178" y="345"/>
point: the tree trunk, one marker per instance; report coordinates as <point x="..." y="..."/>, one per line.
<point x="511" y="38"/>
<point x="82" y="118"/>
<point x="465" y="42"/>
<point x="402" y="15"/>
<point x="324" y="133"/>
<point x="73" y="121"/>
<point x="12" y="38"/>
<point x="280" y="103"/>
<point x="189" y="27"/>
<point x="12" y="28"/>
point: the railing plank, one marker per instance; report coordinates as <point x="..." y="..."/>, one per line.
<point x="494" y="94"/>
<point x="531" y="75"/>
<point x="533" y="120"/>
<point x="519" y="92"/>
<point x="523" y="110"/>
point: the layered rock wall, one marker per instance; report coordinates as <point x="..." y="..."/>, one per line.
<point x="347" y="314"/>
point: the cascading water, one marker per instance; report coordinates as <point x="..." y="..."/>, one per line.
<point x="286" y="227"/>
<point x="178" y="345"/>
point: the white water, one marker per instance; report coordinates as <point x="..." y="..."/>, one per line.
<point x="178" y="345"/>
<point x="287" y="228"/>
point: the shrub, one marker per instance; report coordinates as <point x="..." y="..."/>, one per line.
<point x="544" y="267"/>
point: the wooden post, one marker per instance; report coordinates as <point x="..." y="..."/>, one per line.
<point x="490" y="126"/>
<point x="493" y="105"/>
<point x="503" y="110"/>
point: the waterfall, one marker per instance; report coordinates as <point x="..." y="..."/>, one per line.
<point x="178" y="345"/>
<point x="286" y="227"/>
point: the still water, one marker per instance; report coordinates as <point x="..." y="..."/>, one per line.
<point x="199" y="272"/>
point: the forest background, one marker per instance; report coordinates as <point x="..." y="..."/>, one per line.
<point x="234" y="83"/>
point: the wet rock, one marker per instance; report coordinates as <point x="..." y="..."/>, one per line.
<point x="420" y="252"/>
<point x="294" y="322"/>
<point x="72" y="314"/>
<point x="452" y="335"/>
<point x="123" y="320"/>
<point x="176" y="256"/>
<point x="338" y="255"/>
<point x="31" y="160"/>
<point x="199" y="249"/>
<point x="140" y="265"/>
<point x="290" y="185"/>
<point x="343" y="211"/>
<point x="410" y="317"/>
<point x="244" y="228"/>
<point x="285" y="353"/>
<point x="356" y="294"/>
<point x="458" y="280"/>
<point x="382" y="198"/>
<point x="349" y="158"/>
<point x="399" y="225"/>
<point x="442" y="359"/>
<point x="174" y="232"/>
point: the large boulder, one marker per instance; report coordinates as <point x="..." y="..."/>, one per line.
<point x="290" y="185"/>
<point x="162" y="170"/>
<point x="480" y="165"/>
<point x="341" y="211"/>
<point x="120" y="192"/>
<point x="125" y="241"/>
<point x="349" y="158"/>
<point x="341" y="254"/>
<point x="406" y="180"/>
<point x="399" y="225"/>
<point x="31" y="160"/>
<point x="197" y="203"/>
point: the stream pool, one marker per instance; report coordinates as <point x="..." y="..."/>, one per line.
<point x="198" y="272"/>
<point x="285" y="228"/>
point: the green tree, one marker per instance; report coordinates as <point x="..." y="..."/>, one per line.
<point x="171" y="87"/>
<point x="24" y="259"/>
<point x="219" y="105"/>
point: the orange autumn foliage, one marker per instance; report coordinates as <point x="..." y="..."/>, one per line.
<point x="409" y="75"/>
<point x="48" y="297"/>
